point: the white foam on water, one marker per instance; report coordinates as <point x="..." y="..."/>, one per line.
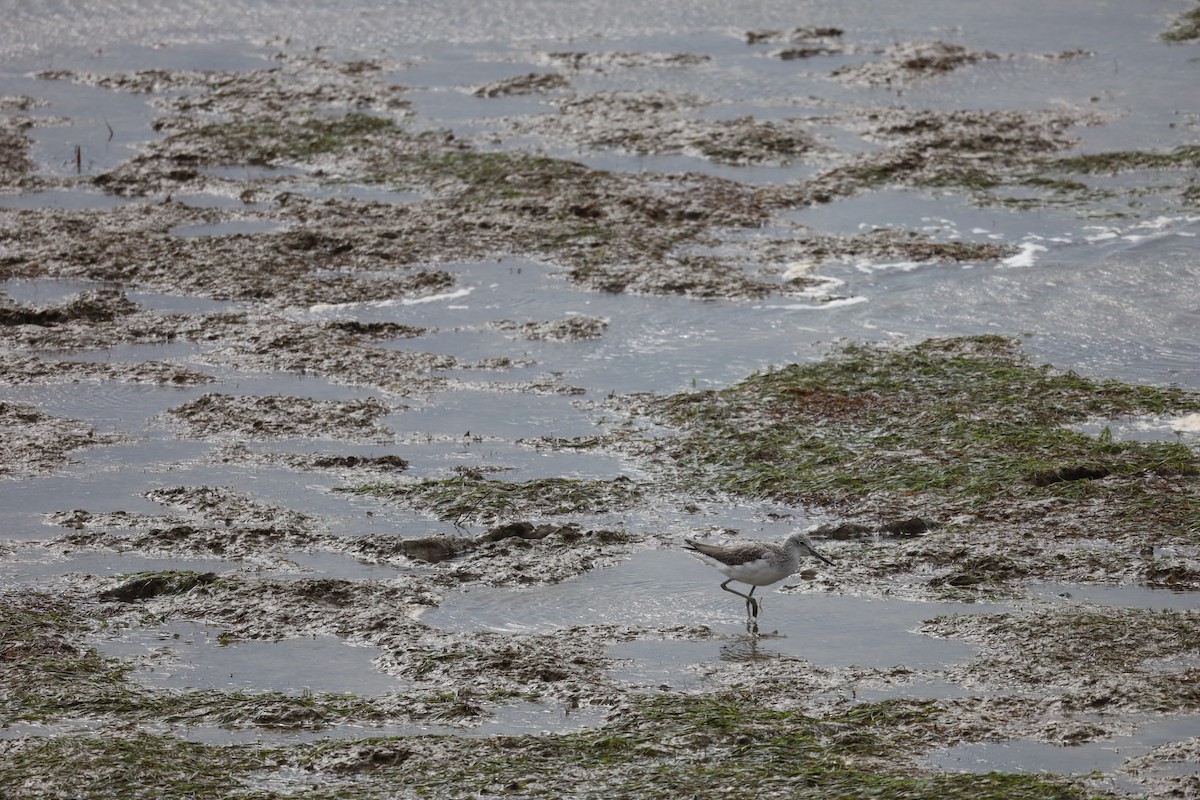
<point x="1027" y="257"/>
<point x="326" y="308"/>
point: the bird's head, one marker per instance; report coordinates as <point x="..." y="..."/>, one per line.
<point x="806" y="546"/>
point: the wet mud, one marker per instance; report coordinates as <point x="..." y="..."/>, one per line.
<point x="943" y="471"/>
<point x="37" y="442"/>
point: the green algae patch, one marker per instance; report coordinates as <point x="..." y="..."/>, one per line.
<point x="663" y="747"/>
<point x="1185" y="28"/>
<point x="470" y="498"/>
<point x="128" y="766"/>
<point x="44" y="672"/>
<point x="268" y="141"/>
<point x="48" y="675"/>
<point x="952" y="419"/>
<point x="675" y="746"/>
<point x="1183" y="157"/>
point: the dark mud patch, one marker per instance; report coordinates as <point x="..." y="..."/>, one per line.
<point x="315" y="462"/>
<point x="1168" y="770"/>
<point x="911" y="61"/>
<point x="476" y="498"/>
<point x="16" y="167"/>
<point x="967" y="150"/>
<point x="338" y="351"/>
<point x="36" y="443"/>
<point x="145" y="585"/>
<point x="297" y="80"/>
<point x="658" y="123"/>
<point x="622" y="59"/>
<point x="135" y="246"/>
<point x="800" y="43"/>
<point x="801" y="35"/>
<point x="1086" y="659"/>
<point x="24" y="371"/>
<point x="530" y="83"/>
<point x="101" y="305"/>
<point x="273" y="417"/>
<point x="439" y="548"/>
<point x="569" y="329"/>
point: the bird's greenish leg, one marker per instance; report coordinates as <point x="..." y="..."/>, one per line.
<point x="751" y="603"/>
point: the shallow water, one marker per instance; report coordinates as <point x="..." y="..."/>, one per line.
<point x="1110" y="296"/>
<point x="659" y="589"/>
<point x="1103" y="755"/>
<point x="191" y="656"/>
<point x="1120" y="596"/>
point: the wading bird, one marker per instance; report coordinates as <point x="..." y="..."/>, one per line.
<point x="756" y="563"/>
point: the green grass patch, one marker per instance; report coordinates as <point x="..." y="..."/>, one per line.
<point x="480" y="499"/>
<point x="962" y="418"/>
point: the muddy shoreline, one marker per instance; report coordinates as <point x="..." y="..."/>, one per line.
<point x="945" y="470"/>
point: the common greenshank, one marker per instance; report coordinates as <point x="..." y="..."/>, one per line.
<point x="756" y="563"/>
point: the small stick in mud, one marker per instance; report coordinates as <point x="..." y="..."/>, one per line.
<point x="756" y="563"/>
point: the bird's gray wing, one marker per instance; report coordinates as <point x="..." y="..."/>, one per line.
<point x="736" y="553"/>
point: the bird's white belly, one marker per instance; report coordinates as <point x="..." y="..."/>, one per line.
<point x="759" y="572"/>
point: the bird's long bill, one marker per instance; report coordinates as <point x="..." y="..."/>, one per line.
<point x="818" y="555"/>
